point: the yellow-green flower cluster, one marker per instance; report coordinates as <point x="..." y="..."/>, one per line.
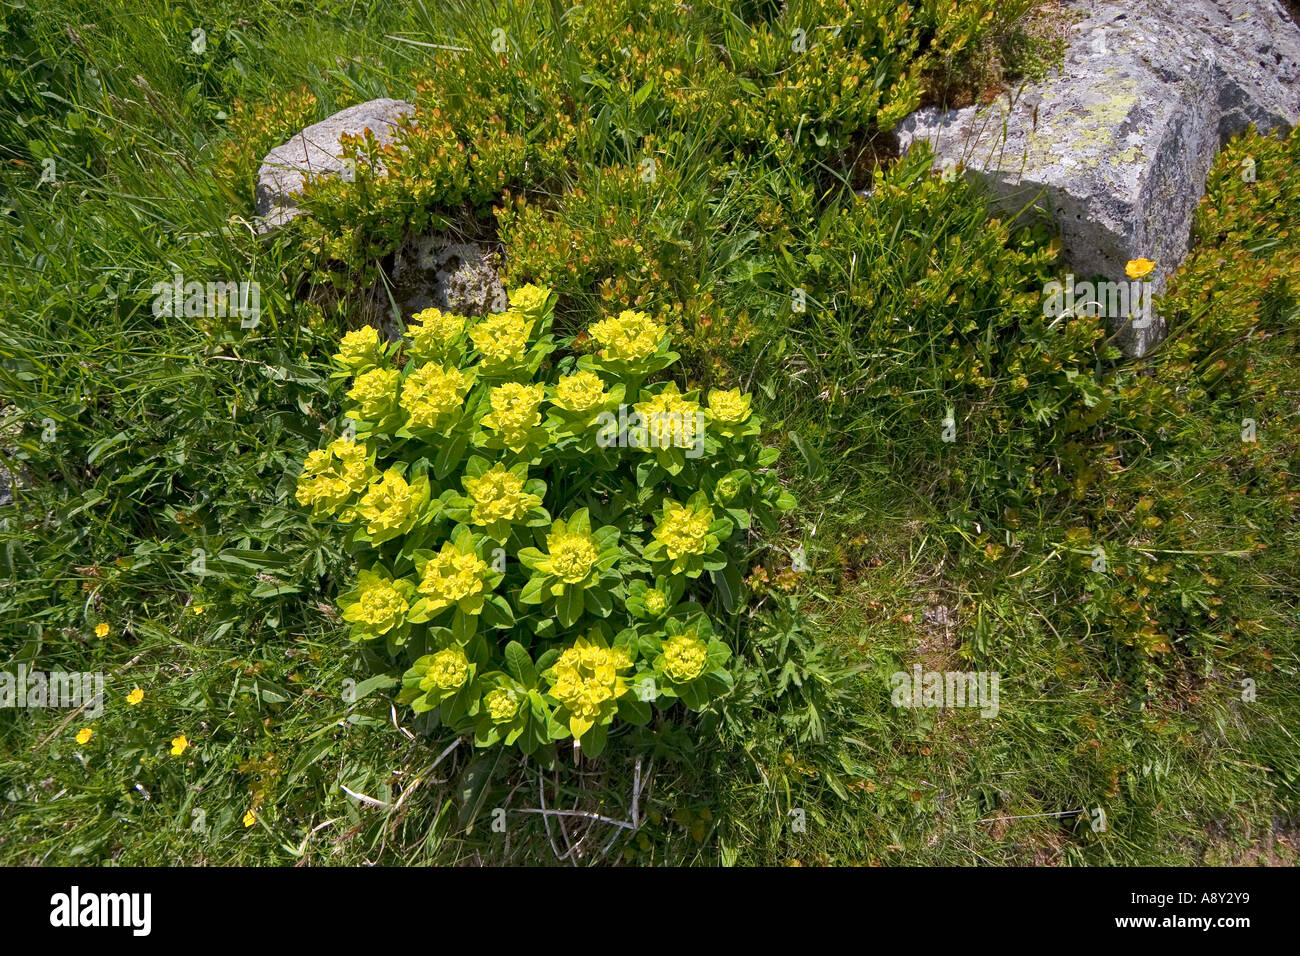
<point x="498" y="495"/>
<point x="671" y="421"/>
<point x="375" y="392"/>
<point x="515" y="412"/>
<point x="451" y="576"/>
<point x="580" y="392"/>
<point x="730" y="407"/>
<point x="631" y="337"/>
<point x="502" y="338"/>
<point x="587" y="682"/>
<point x="501" y="704"/>
<point x="359" y="349"/>
<point x="381" y="605"/>
<point x="684" y="657"/>
<point x="331" y="475"/>
<point x="656" y="602"/>
<point x="529" y="299"/>
<point x="683" y="529"/>
<point x="389" y="504"/>
<point x="572" y="555"/>
<point x="433" y="391"/>
<point x="435" y="331"/>
<point x="448" y="670"/>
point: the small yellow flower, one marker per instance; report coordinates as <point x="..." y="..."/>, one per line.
<point x="683" y="529"/>
<point x="451" y="576"/>
<point x="359" y="349"/>
<point x="501" y="705"/>
<point x="447" y="671"/>
<point x="84" y="735"/>
<point x="515" y="412"/>
<point x="499" y="495"/>
<point x="375" y="392"/>
<point x="388" y="504"/>
<point x="671" y="421"/>
<point x="530" y="299"/>
<point x="431" y="392"/>
<point x="729" y="407"/>
<point x="579" y="392"/>
<point x="436" y="327"/>
<point x="571" y="556"/>
<point x="101" y="629"/>
<point x="684" y="657"/>
<point x="178" y="745"/>
<point x="502" y="338"/>
<point x="1138" y="268"/>
<point x="586" y="680"/>
<point x="250" y="818"/>
<point x="631" y="337"/>
<point x="381" y="604"/>
<point x="197" y="609"/>
<point x="135" y="697"/>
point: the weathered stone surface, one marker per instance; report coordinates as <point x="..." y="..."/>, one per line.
<point x="434" y="271"/>
<point x="1117" y="147"/>
<point x="317" y="150"/>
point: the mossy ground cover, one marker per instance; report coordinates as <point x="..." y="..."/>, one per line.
<point x="155" y="537"/>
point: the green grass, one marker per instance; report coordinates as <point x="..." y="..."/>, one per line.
<point x="171" y="436"/>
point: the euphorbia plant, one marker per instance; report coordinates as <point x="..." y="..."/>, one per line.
<point x="550" y="541"/>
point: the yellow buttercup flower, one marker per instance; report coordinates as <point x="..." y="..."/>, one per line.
<point x="135" y="697"/>
<point x="631" y="337"/>
<point x="359" y="349"/>
<point x="683" y="528"/>
<point x="729" y="407"/>
<point x="388" y="504"/>
<point x="579" y="392"/>
<point x="197" y="609"/>
<point x="448" y="670"/>
<point x="178" y="745"/>
<point x="451" y="576"/>
<point x="684" y="656"/>
<point x="530" y="299"/>
<point x="431" y="392"/>
<point x="499" y="495"/>
<point x="670" y="420"/>
<point x="1138" y="268"/>
<point x="515" y="412"/>
<point x="101" y="629"/>
<point x="375" y="393"/>
<point x="250" y="818"/>
<point x="84" y="735"/>
<point x="502" y="338"/>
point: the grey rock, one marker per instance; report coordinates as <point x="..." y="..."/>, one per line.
<point x="433" y="271"/>
<point x="1116" y="148"/>
<point x="318" y="151"/>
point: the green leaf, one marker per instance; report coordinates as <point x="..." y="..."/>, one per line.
<point x="520" y="664"/>
<point x="569" y="606"/>
<point x="728" y="583"/>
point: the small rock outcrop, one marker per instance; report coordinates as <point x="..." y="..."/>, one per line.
<point x="427" y="270"/>
<point x="1116" y="148"/>
<point x="434" y="271"/>
<point x="318" y="151"/>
